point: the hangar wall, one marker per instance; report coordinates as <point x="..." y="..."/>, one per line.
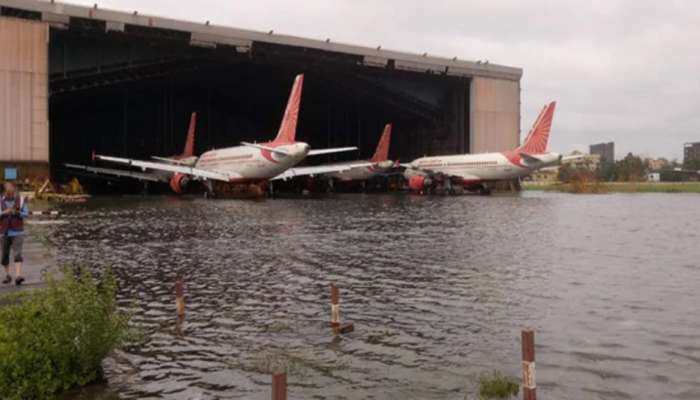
<point x="24" y="126"/>
<point x="494" y="115"/>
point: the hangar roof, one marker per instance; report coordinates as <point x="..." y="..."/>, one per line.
<point x="205" y="34"/>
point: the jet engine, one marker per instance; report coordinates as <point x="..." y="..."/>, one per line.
<point x="417" y="182"/>
<point x="179" y="182"/>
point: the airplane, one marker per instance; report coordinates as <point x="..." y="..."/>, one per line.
<point x="186" y="157"/>
<point x="239" y="167"/>
<point x="477" y="171"/>
<point x="359" y="170"/>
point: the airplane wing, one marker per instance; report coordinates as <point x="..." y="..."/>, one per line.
<point x="117" y="172"/>
<point x="187" y="161"/>
<point x="530" y="158"/>
<point x="318" y="170"/>
<point x="157" y="166"/>
<point x="329" y="151"/>
<point x="572" y="157"/>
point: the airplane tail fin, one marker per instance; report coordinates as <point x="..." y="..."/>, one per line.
<point x="536" y="140"/>
<point x="382" y="152"/>
<point x="288" y="128"/>
<point x="188" y="151"/>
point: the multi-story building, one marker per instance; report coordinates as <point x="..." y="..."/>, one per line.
<point x="691" y="153"/>
<point x="606" y="151"/>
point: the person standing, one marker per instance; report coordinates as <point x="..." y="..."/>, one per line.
<point x="13" y="211"/>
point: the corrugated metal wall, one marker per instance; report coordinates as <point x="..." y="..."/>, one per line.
<point x="24" y="126"/>
<point x="494" y="115"/>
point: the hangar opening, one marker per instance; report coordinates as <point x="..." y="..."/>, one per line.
<point x="125" y="85"/>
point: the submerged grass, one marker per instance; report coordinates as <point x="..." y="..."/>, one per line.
<point x="278" y="327"/>
<point x="497" y="386"/>
<point x="297" y="363"/>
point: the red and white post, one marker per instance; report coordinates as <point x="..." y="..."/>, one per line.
<point x="528" y="343"/>
<point x="180" y="298"/>
<point x="279" y="386"/>
<point x="335" y="306"/>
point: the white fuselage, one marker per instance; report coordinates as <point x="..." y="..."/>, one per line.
<point x="480" y="167"/>
<point x="245" y="163"/>
<point x="361" y="173"/>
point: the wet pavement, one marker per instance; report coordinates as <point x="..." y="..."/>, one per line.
<point x="39" y="255"/>
<point x="438" y="289"/>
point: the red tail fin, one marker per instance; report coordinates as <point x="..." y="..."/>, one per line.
<point x="188" y="151"/>
<point x="538" y="137"/>
<point x="288" y="128"/>
<point x="382" y="152"/>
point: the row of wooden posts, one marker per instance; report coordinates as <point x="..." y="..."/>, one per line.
<point x="279" y="380"/>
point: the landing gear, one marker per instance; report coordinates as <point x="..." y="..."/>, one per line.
<point x="484" y="190"/>
<point x="208" y="190"/>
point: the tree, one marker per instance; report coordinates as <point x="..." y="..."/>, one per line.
<point x="606" y="171"/>
<point x="631" y="168"/>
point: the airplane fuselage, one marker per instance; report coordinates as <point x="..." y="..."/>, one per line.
<point x="474" y="168"/>
<point x="245" y="163"/>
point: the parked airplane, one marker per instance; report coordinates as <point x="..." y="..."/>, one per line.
<point x="250" y="163"/>
<point x="476" y="171"/>
<point x="186" y="157"/>
<point x="359" y="170"/>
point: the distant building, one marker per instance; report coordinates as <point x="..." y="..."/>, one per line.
<point x="606" y="151"/>
<point x="551" y="174"/>
<point x="691" y="152"/>
<point x="590" y="161"/>
<point x="654" y="177"/>
<point x="657" y="164"/>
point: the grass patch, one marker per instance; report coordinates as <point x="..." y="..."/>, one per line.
<point x="55" y="338"/>
<point x="617" y="187"/>
<point x="497" y="386"/>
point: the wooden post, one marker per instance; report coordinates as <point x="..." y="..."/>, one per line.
<point x="528" y="343"/>
<point x="335" y="306"/>
<point x="180" y="298"/>
<point x="279" y="386"/>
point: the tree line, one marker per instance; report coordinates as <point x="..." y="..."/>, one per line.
<point x="632" y="168"/>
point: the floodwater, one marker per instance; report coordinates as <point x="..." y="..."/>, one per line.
<point x="439" y="289"/>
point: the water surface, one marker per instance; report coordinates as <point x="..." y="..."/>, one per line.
<point x="438" y="289"/>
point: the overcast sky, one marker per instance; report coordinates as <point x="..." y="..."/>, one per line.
<point x="626" y="71"/>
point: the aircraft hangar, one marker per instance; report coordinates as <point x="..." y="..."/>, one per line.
<point x="74" y="79"/>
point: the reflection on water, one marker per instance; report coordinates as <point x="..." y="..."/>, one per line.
<point x="438" y="288"/>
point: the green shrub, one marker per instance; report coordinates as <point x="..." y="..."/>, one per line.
<point x="55" y="338"/>
<point x="498" y="386"/>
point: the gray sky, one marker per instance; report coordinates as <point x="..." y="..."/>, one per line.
<point x="626" y="71"/>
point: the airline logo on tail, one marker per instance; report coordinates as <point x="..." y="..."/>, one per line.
<point x="382" y="152"/>
<point x="538" y="137"/>
<point x="188" y="151"/>
<point x="534" y="146"/>
<point x="288" y="128"/>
